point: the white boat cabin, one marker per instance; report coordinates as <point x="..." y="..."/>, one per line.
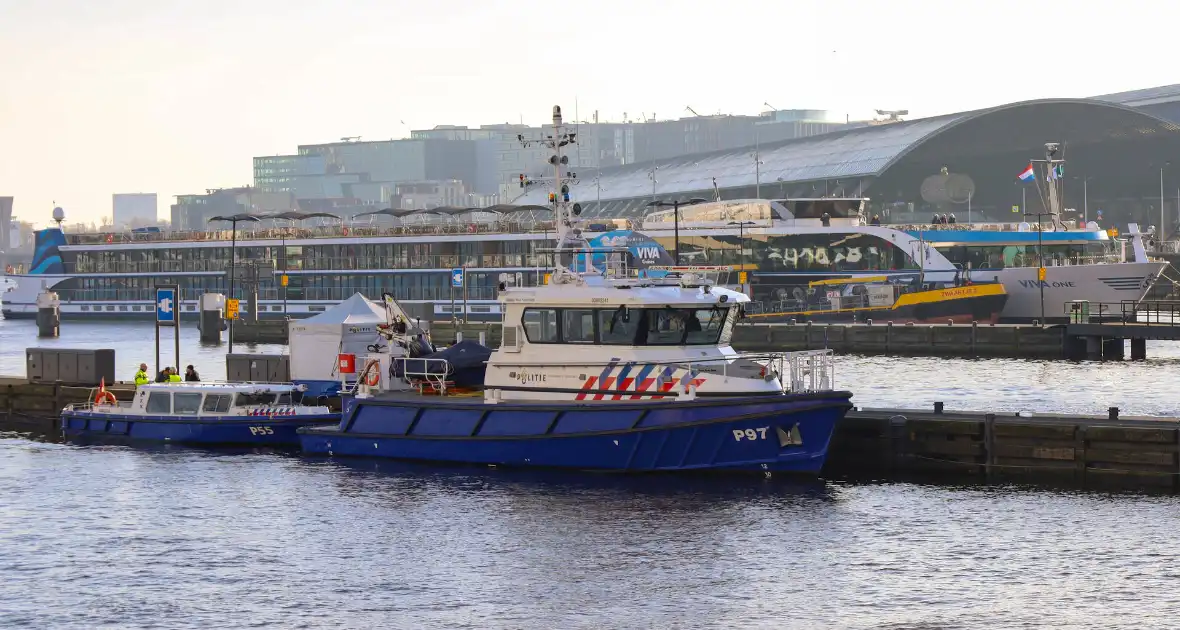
<point x="211" y="399"/>
<point x="587" y="338"/>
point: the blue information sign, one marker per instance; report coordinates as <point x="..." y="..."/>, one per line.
<point x="457" y="278"/>
<point x="166" y="306"/>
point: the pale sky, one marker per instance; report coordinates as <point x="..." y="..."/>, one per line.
<point x="175" y="96"/>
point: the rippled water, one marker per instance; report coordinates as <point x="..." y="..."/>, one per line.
<point x="1149" y="387"/>
<point x="117" y="537"/>
<point x="98" y="537"/>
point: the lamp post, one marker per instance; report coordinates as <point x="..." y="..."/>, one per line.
<point x="675" y="205"/>
<point x="742" y="248"/>
<point x="742" y="239"/>
<point x="1160" y="237"/>
<point x="1040" y="258"/>
<point x="294" y="216"/>
<point x="233" y="256"/>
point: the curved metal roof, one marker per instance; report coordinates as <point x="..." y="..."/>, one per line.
<point x="862" y="152"/>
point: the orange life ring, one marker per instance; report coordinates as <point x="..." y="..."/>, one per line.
<point x="372" y="377"/>
<point x="105" y="397"/>
<point x="346" y="231"/>
<point x="110" y="238"/>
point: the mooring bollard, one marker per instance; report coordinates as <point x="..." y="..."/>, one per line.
<point x="1113" y="413"/>
<point x="212" y="317"/>
<point x="48" y="314"/>
<point x="938" y="407"/>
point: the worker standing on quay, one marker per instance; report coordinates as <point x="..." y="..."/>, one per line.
<point x="141" y="377"/>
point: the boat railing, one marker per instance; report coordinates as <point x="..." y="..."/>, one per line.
<point x="89" y="406"/>
<point x="424" y="373"/>
<point x="799" y="371"/>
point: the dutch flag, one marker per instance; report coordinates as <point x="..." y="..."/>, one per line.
<point x="1027" y="174"/>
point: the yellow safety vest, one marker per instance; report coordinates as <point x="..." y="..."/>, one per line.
<point x="141" y="378"/>
<point x="173" y="378"/>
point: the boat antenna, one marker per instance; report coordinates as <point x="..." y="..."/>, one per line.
<point x="565" y="212"/>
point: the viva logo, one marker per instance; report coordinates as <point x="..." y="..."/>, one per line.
<point x="1037" y="284"/>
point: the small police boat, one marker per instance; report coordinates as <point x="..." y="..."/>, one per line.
<point x="600" y="369"/>
<point x="254" y="414"/>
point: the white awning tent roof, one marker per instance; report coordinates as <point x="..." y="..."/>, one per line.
<point x="349" y="327"/>
<point x="355" y="310"/>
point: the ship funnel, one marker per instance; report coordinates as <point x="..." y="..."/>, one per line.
<point x="557" y="114"/>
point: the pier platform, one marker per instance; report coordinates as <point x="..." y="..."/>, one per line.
<point x="1125" y="451"/>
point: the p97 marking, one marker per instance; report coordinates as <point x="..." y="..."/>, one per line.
<point x="750" y="434"/>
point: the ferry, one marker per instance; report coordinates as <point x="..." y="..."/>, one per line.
<point x="876" y="298"/>
<point x="253" y="414"/>
<point x="779" y="246"/>
<point x="602" y="369"/>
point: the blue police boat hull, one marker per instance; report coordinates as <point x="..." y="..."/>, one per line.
<point x="211" y="430"/>
<point x="779" y="433"/>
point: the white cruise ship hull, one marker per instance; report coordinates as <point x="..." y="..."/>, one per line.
<point x="1110" y="284"/>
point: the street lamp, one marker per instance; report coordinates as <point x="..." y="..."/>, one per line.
<point x="233" y="220"/>
<point x="1160" y="237"/>
<point x="742" y="239"/>
<point x="294" y="216"/>
<point x="1040" y="257"/>
<point x="742" y="246"/>
<point x="675" y="205"/>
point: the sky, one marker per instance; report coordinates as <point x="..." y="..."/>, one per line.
<point x="176" y="96"/>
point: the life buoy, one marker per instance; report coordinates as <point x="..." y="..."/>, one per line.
<point x="110" y="238"/>
<point x="346" y="231"/>
<point x="105" y="398"/>
<point x="372" y="377"/>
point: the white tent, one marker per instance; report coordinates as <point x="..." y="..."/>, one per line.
<point x="348" y="328"/>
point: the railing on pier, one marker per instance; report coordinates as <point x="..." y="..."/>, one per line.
<point x="1145" y="312"/>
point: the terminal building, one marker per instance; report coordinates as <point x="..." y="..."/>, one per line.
<point x="1118" y="161"/>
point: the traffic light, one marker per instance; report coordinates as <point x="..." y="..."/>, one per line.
<point x="522" y="180"/>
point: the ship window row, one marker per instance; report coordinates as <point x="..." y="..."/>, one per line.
<point x="522" y="253"/>
<point x="168" y="402"/>
<point x="1001" y="256"/>
<point x="480" y="285"/>
<point x="628" y="327"/>
<point x="794" y="252"/>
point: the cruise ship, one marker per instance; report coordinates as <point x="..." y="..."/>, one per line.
<point x="781" y="246"/>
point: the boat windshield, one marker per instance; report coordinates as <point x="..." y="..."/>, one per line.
<point x="634" y="327"/>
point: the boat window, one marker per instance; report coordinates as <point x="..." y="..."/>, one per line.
<point x="186" y="403"/>
<point x="727" y="329"/>
<point x="257" y="398"/>
<point x="217" y="403"/>
<point x="577" y="326"/>
<point x="704" y="326"/>
<point x="159" y="402"/>
<point x="613" y="330"/>
<point x="682" y="326"/>
<point x="666" y="327"/>
<point x="540" y="325"/>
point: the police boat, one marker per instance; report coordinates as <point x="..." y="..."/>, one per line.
<point x="600" y="369"/>
<point x="214" y="413"/>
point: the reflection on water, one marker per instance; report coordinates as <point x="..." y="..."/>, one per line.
<point x="112" y="536"/>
